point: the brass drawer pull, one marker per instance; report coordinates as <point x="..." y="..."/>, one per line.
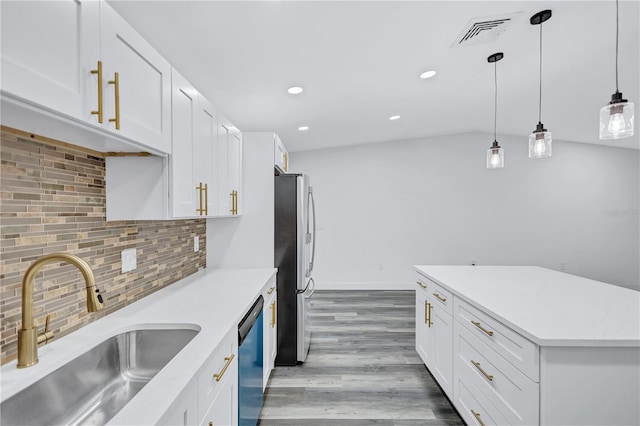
<point x="426" y="312"/>
<point x="219" y="375"/>
<point x="116" y="84"/>
<point x="200" y="210"/>
<point x="477" y="365"/>
<point x="477" y="416"/>
<point x="271" y="290"/>
<point x="477" y="324"/>
<point x="273" y="314"/>
<point x="430" y="322"/>
<point x="99" y="111"/>
<point x="440" y="298"/>
<point x="420" y="284"/>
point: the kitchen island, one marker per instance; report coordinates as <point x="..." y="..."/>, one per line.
<point x="528" y="345"/>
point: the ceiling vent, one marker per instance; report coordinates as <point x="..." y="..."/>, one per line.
<point x="483" y="30"/>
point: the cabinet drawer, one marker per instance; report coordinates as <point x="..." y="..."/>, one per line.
<point x="508" y="389"/>
<point x="519" y="351"/>
<point x="473" y="406"/>
<point x="436" y="293"/>
<point x="217" y="370"/>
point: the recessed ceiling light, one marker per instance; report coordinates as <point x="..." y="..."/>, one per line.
<point x="295" y="90"/>
<point x="303" y="128"/>
<point x="428" y="74"/>
<point x="394" y="117"/>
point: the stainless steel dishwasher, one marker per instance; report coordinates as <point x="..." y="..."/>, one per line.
<point x="250" y="365"/>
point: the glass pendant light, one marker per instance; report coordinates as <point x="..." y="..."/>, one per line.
<point x="540" y="140"/>
<point x="495" y="154"/>
<point x="616" y="118"/>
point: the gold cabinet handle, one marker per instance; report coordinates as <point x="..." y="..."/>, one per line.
<point x="477" y="324"/>
<point x="429" y="306"/>
<point x="210" y="423"/>
<point x="286" y="161"/>
<point x="426" y="312"/>
<point x="271" y="290"/>
<point x="219" y="375"/>
<point x="116" y="84"/>
<point x="200" y="209"/>
<point x="420" y="284"/>
<point x="440" y="298"/>
<point x="477" y="416"/>
<point x="477" y="365"/>
<point x="234" y="202"/>
<point x="99" y="111"/>
<point x="273" y="314"/>
<point x="206" y="199"/>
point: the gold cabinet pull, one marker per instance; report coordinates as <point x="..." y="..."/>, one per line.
<point x="200" y="209"/>
<point x="210" y="423"/>
<point x="440" y="298"/>
<point x="429" y="306"/>
<point x="426" y="312"/>
<point x="234" y="202"/>
<point x="99" y="111"/>
<point x="477" y="416"/>
<point x="228" y="359"/>
<point x="420" y="284"/>
<point x="271" y="290"/>
<point x="116" y="85"/>
<point x="206" y="199"/>
<point x="477" y="365"/>
<point x="286" y="161"/>
<point x="477" y="324"/>
<point x="273" y="314"/>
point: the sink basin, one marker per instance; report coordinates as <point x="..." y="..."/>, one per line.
<point x="93" y="387"/>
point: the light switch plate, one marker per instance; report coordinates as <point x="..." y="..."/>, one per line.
<point x="196" y="244"/>
<point x="128" y="258"/>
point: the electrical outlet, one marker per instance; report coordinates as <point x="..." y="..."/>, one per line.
<point x="128" y="258"/>
<point x="196" y="244"/>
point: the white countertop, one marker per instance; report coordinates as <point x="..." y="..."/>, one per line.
<point x="211" y="300"/>
<point x="548" y="307"/>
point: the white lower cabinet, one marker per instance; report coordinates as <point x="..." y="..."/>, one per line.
<point x="434" y="332"/>
<point x="218" y="385"/>
<point x="270" y="332"/>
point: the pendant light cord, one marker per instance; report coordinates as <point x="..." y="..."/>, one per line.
<point x="617" y="17"/>
<point x="540" y="103"/>
<point x="495" y="103"/>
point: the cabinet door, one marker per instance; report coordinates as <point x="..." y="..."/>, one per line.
<point x="442" y="360"/>
<point x="142" y="101"/>
<point x="207" y="152"/>
<point x="224" y="408"/>
<point x="423" y="334"/>
<point x="185" y="197"/>
<point x="48" y="61"/>
<point x="270" y="345"/>
<point x="229" y="169"/>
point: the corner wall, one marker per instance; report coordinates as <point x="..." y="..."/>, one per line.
<point x="387" y="206"/>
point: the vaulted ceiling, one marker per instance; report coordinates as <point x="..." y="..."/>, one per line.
<point x="359" y="63"/>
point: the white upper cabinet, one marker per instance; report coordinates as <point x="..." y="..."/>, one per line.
<point x="185" y="197"/>
<point x="137" y="84"/>
<point x="205" y="162"/>
<point x="281" y="156"/>
<point x="48" y="61"/>
<point x="229" y="169"/>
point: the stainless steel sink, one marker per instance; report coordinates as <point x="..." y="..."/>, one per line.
<point x="93" y="387"/>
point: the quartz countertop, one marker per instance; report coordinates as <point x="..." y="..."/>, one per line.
<point x="548" y="307"/>
<point x="212" y="300"/>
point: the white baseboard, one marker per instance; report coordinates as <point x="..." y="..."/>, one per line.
<point x="367" y="285"/>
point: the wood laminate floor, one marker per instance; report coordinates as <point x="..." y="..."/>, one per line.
<point x="362" y="368"/>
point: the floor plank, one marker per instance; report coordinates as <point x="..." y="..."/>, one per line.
<point x="362" y="368"/>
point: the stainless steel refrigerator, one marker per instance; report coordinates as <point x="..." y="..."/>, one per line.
<point x="295" y="240"/>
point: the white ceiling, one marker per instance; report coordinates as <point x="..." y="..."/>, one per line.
<point x="359" y="63"/>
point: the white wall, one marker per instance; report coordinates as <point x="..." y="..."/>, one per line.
<point x="385" y="207"/>
<point x="247" y="241"/>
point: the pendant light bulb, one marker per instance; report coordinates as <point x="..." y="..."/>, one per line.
<point x="495" y="154"/>
<point x="616" y="118"/>
<point x="540" y="142"/>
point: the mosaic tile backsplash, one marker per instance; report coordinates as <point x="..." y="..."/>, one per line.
<point x="52" y="199"/>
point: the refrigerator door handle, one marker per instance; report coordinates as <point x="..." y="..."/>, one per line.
<point x="311" y="201"/>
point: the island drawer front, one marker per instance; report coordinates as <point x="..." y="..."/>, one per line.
<point x="218" y="365"/>
<point x="519" y="351"/>
<point x="508" y="389"/>
<point x="472" y="404"/>
<point x="437" y="294"/>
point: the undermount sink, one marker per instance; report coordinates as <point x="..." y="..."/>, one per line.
<point x="93" y="387"/>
